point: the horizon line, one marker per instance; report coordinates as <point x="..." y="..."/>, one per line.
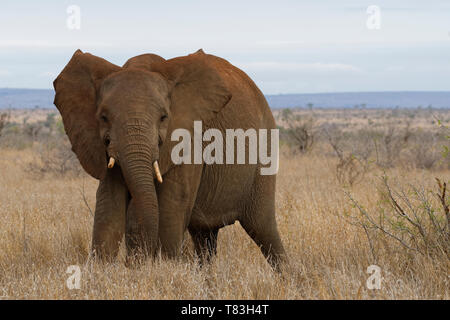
<point x="285" y="94"/>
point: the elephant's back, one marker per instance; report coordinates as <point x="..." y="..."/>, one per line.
<point x="247" y="107"/>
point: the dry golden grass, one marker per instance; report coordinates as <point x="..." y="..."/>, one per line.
<point x="45" y="226"/>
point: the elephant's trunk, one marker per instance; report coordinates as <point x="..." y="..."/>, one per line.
<point x="136" y="160"/>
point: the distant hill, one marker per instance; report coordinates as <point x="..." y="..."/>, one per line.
<point x="26" y="98"/>
<point x="43" y="98"/>
<point x="407" y="99"/>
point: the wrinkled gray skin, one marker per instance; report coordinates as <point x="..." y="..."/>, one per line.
<point x="128" y="113"/>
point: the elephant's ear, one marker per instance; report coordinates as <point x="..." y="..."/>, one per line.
<point x="75" y="97"/>
<point x="198" y="92"/>
<point x="198" y="89"/>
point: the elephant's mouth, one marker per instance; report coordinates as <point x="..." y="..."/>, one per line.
<point x="112" y="162"/>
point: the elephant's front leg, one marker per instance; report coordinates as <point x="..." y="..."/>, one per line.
<point x="176" y="197"/>
<point x="110" y="210"/>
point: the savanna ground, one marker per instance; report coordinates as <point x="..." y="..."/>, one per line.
<point x="355" y="188"/>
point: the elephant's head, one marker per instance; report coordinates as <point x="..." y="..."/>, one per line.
<point x="125" y="113"/>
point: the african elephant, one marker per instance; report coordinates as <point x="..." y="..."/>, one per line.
<point x="119" y="120"/>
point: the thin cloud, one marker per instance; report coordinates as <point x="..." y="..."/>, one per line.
<point x="48" y="74"/>
<point x="4" y="72"/>
<point x="280" y="43"/>
<point x="317" y="67"/>
<point x="44" y="44"/>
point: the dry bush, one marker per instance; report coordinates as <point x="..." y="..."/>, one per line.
<point x="444" y="144"/>
<point x="298" y="131"/>
<point x="54" y="156"/>
<point x="4" y="117"/>
<point x="32" y="130"/>
<point x="20" y="136"/>
<point x="424" y="150"/>
<point x="13" y="137"/>
<point x="390" y="143"/>
<point x="417" y="219"/>
<point x="353" y="163"/>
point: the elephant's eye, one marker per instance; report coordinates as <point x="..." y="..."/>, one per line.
<point x="104" y="118"/>
<point x="107" y="141"/>
<point x="164" y="117"/>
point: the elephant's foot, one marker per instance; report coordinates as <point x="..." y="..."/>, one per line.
<point x="268" y="240"/>
<point x="205" y="243"/>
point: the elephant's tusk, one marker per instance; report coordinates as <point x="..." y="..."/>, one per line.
<point x="157" y="172"/>
<point x="111" y="163"/>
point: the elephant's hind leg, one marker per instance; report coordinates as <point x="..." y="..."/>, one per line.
<point x="205" y="243"/>
<point x="259" y="221"/>
<point x="268" y="240"/>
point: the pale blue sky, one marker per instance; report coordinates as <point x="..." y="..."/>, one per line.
<point x="285" y="46"/>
